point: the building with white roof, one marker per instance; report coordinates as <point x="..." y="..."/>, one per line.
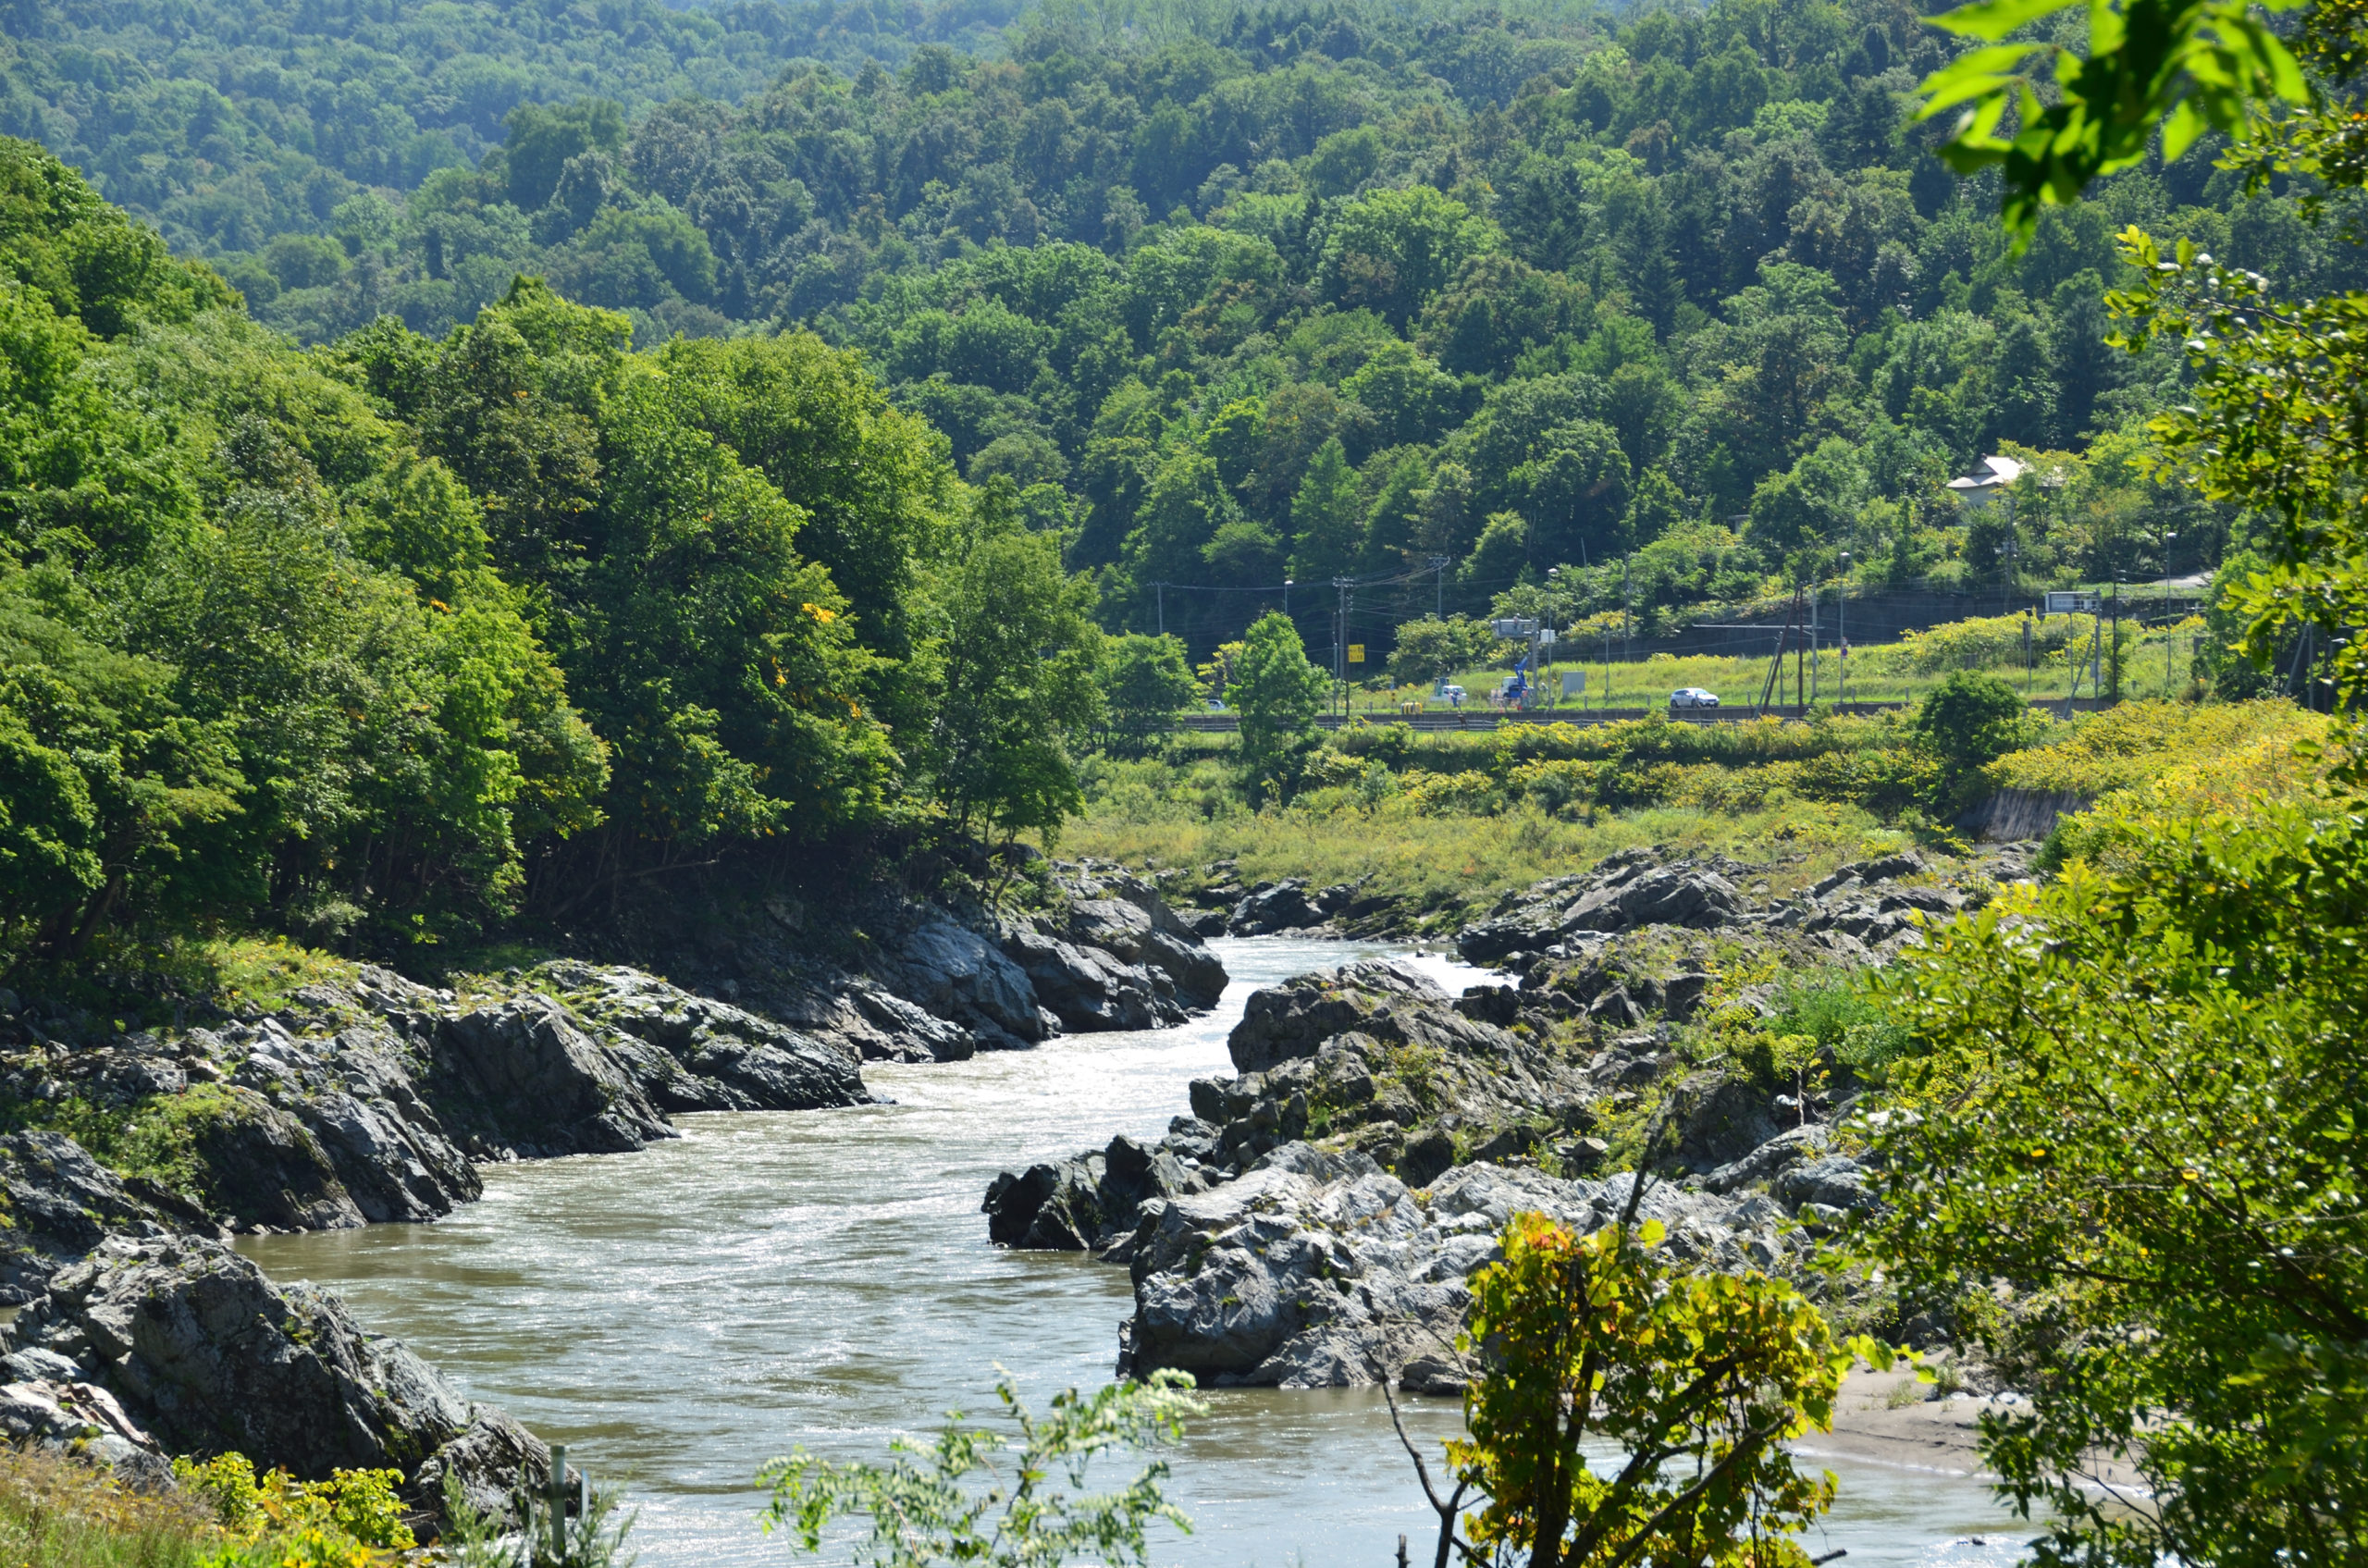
<point x="1989" y="476"/>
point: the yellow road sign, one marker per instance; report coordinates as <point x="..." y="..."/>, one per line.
<point x="1356" y="653"/>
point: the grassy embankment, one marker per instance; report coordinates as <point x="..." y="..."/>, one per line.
<point x="58" y="1513"/>
<point x="1445" y="821"/>
<point x="2156" y="662"/>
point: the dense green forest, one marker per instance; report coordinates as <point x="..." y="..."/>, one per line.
<point x="384" y="640"/>
<point x="1678" y="299"/>
<point x="368" y="582"/>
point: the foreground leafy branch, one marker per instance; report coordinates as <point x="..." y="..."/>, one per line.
<point x="925" y="1508"/>
<point x="1700" y="1379"/>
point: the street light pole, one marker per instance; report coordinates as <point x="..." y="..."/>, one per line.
<point x="1841" y="634"/>
<point x="1340" y="636"/>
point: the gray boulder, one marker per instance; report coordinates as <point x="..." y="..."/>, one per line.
<point x="1389" y="1002"/>
<point x="267" y="1172"/>
<point x="208" y="1355"/>
<point x="1122" y="914"/>
<point x="520" y="1081"/>
<point x="1530" y="929"/>
<point x="956" y="974"/>
<point x="1316" y="1270"/>
<point x="705" y="1054"/>
<point x="1089" y="989"/>
<point x="1055" y="1207"/>
<point x="1281" y="907"/>
<point x="1836" y="1181"/>
<point x="1667" y="896"/>
<point x="496" y="1460"/>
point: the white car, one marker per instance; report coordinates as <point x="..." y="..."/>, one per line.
<point x="1693" y="697"/>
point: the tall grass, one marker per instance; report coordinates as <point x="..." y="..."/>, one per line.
<point x="1449" y="865"/>
<point x="55" y="1513"/>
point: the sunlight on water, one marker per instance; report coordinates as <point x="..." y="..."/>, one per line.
<point x="824" y="1278"/>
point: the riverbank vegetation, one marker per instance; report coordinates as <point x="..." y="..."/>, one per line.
<point x="493" y="512"/>
<point x="56" y="1512"/>
<point x="1444" y="822"/>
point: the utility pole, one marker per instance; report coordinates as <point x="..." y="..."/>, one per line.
<point x="2117" y="638"/>
<point x="1816" y="665"/>
<point x="1438" y="570"/>
<point x="1340" y="635"/>
<point x="1287" y="598"/>
<point x="1627" y="613"/>
<point x="1842" y="633"/>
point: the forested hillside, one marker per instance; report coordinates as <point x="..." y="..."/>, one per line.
<point x="511" y="590"/>
<point x="386" y="640"/>
<point x="1677" y="300"/>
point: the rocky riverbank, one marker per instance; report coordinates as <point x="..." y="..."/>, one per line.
<point x="370" y="1097"/>
<point x="1313" y="1220"/>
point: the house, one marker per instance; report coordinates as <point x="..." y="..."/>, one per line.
<point x="1989" y="476"/>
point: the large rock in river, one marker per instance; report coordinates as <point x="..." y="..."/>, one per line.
<point x="1388" y="1002"/>
<point x="521" y="1079"/>
<point x="693" y="1053"/>
<point x="206" y="1353"/>
<point x="1320" y="1270"/>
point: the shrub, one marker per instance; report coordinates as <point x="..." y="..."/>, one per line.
<point x="2140" y="742"/>
<point x="1990" y="642"/>
<point x="1452" y="794"/>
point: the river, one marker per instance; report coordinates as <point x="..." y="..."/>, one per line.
<point x="824" y="1278"/>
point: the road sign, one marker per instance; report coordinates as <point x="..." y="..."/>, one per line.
<point x="1356" y="653"/>
<point x="1514" y="626"/>
<point x="2070" y="603"/>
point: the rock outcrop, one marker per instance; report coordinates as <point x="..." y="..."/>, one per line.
<point x="690" y="1053"/>
<point x="374" y="1098"/>
<point x="201" y="1353"/>
<point x="1623" y="892"/>
<point x="1373" y="1054"/>
<point x="1319" y="1270"/>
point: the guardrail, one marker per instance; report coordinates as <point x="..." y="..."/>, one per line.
<point x="1448" y="719"/>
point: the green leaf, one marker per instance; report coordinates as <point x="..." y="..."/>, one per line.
<point x="1994" y="19"/>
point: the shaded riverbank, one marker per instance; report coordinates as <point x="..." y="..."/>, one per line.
<point x="681" y="1313"/>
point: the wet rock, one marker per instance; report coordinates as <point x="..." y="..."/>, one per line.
<point x="205" y="1353"/>
<point x="1384" y="1001"/>
<point x="1276" y="907"/>
<point x="519" y="1080"/>
<point x="1088" y="1203"/>
<point x="1051" y="1207"/>
<point x="1088" y="989"/>
<point x="716" y="1057"/>
<point x="1122" y="914"/>
<point x="957" y="974"/>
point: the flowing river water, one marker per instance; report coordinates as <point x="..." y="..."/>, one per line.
<point x="824" y="1278"/>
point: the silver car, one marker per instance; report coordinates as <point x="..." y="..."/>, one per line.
<point x="1693" y="697"/>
